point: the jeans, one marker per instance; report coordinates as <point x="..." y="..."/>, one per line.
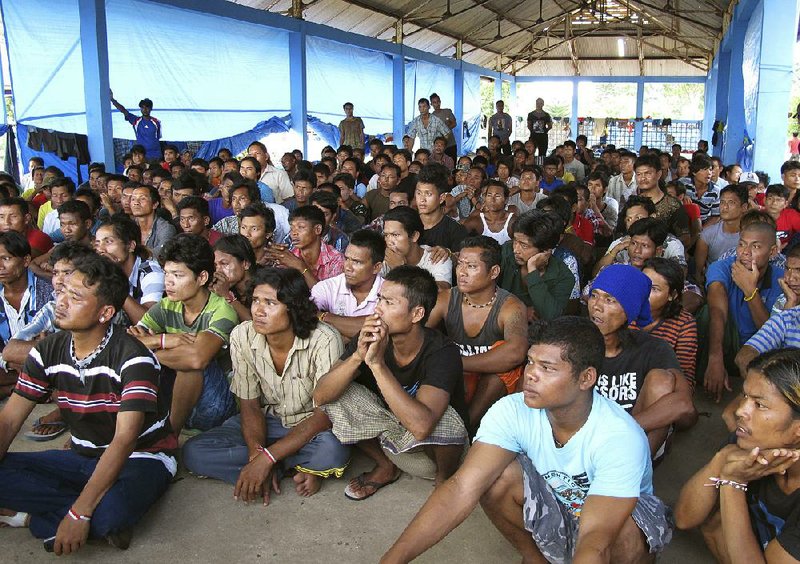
<point x="216" y="402"/>
<point x="46" y="485"/>
<point x="221" y="453"/>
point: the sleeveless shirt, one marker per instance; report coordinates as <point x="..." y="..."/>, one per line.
<point x="489" y="334"/>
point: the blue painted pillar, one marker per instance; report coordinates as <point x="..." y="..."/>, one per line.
<point x="721" y="110"/>
<point x="398" y="98"/>
<point x="96" y="89"/>
<point x="710" y="104"/>
<point x="573" y="120"/>
<point x="735" y="116"/>
<point x="513" y="110"/>
<point x="774" y="84"/>
<point x="458" y="107"/>
<point x="297" y="85"/>
<point x="638" y="127"/>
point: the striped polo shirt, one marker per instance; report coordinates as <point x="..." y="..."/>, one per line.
<point x="781" y="330"/>
<point x="217" y="317"/>
<point x="123" y="375"/>
<point x="708" y="202"/>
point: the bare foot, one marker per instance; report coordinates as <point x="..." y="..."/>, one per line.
<point x="305" y="484"/>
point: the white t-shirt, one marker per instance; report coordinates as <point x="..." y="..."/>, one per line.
<point x="608" y="456"/>
<point x="442" y="272"/>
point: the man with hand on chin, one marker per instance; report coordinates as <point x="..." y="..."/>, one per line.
<point x="741" y="292"/>
<point x="530" y="271"/>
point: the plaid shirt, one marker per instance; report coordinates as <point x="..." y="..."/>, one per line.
<point x="436" y="128"/>
<point x="329" y="264"/>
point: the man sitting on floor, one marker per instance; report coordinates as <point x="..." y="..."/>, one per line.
<point x="120" y="461"/>
<point x="189" y="329"/>
<point x="397" y="392"/>
<point x="346" y="300"/>
<point x="640" y="372"/>
<point x="278" y="357"/>
<point x="487" y="323"/>
<point x="547" y="459"/>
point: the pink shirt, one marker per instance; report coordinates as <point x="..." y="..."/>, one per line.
<point x="794" y="145"/>
<point x="329" y="264"/>
<point x="333" y="295"/>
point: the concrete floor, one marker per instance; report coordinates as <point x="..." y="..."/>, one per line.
<point x="198" y="520"/>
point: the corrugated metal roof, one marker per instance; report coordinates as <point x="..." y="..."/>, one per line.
<point x="550" y="37"/>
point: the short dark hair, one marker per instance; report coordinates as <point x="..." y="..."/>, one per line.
<point x="256" y="164"/>
<point x="781" y="368"/>
<point x="155" y="197"/>
<point x="253" y="193"/>
<point x="654" y="228"/>
<point x="78" y="207"/>
<point x="92" y="195"/>
<point x="197" y="203"/>
<point x="372" y="240"/>
<point x="191" y="250"/>
<point x="127" y="230"/>
<point x="738" y="190"/>
<point x="543" y="228"/>
<point x="309" y="213"/>
<point x="648" y="160"/>
<point x="672" y="272"/>
<point x="122" y="178"/>
<point x="700" y="161"/>
<point x="332" y="188"/>
<point x="146" y="102"/>
<point x="499" y="184"/>
<point x="436" y="174"/>
<point x="259" y="209"/>
<point x="491" y="253"/>
<point x="406" y="216"/>
<point x="598" y="175"/>
<point x="69" y="251"/>
<point x="64" y="182"/>
<point x="348" y="179"/>
<point x="110" y="284"/>
<point x="305" y="176"/>
<point x="567" y="191"/>
<point x="789" y="165"/>
<point x="419" y="287"/>
<point x="15" y="243"/>
<point x="551" y="161"/>
<point x="238" y="247"/>
<point x="17" y="202"/>
<point x="195" y="180"/>
<point x="326" y="200"/>
<point x="777" y="190"/>
<point x="579" y="339"/>
<point x="558" y="206"/>
<point x="292" y="292"/>
<point x="631" y="202"/>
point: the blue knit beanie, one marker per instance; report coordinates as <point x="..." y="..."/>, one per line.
<point x="630" y="287"/>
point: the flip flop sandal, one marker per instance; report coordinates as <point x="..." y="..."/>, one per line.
<point x="364" y="483"/>
<point x="16" y="521"/>
<point x="58" y="427"/>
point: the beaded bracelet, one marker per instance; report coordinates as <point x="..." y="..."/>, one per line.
<point x="75" y="517"/>
<point x="719" y="482"/>
<point x="267" y="453"/>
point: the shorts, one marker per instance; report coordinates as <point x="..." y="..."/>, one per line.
<point x="555" y="529"/>
<point x="509" y="378"/>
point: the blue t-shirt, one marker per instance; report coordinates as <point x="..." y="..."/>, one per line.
<point x="608" y="456"/>
<point x="148" y="133"/>
<point x="768" y="291"/>
<point x="552" y="186"/>
<point x="780" y="331"/>
<point x="266" y="192"/>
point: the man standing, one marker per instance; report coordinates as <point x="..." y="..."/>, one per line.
<point x="278" y="358"/>
<point x="547" y="459"/>
<point x="426" y="126"/>
<point x="501" y="125"/>
<point x="539" y="124"/>
<point x="398" y="388"/>
<point x="449" y="119"/>
<point x="146" y="127"/>
<point x="351" y="129"/>
<point x="107" y="384"/>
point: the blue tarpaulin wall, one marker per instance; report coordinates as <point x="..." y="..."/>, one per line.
<point x="213" y="79"/>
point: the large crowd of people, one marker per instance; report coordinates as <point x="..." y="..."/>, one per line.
<point x="527" y="328"/>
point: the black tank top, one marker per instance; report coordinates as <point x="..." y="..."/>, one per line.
<point x="489" y="334"/>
